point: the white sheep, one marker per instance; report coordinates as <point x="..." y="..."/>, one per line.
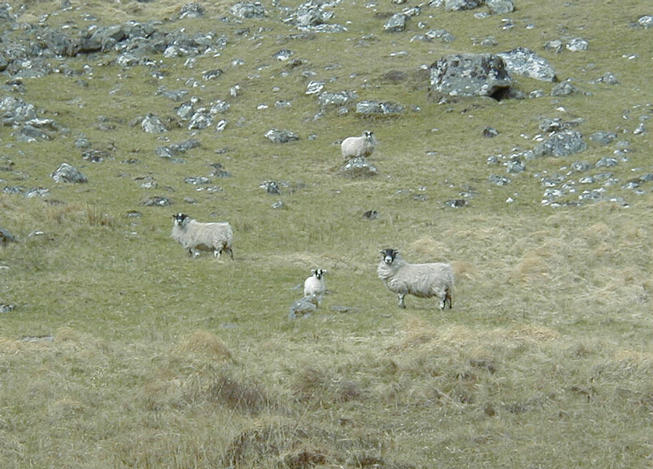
<point x="364" y="145"/>
<point x="420" y="280"/>
<point x="315" y="285"/>
<point x="196" y="236"/>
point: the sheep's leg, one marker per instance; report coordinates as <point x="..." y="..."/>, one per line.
<point x="190" y="252"/>
<point x="401" y="296"/>
<point x="231" y="253"/>
<point x="448" y="298"/>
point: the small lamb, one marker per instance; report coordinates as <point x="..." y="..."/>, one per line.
<point x="196" y="236"/>
<point x="364" y="145"/>
<point x="420" y="280"/>
<point x="315" y="285"/>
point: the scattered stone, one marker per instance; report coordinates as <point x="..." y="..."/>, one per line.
<point x="490" y="132"/>
<point x="499" y="180"/>
<point x="456" y="203"/>
<point x="271" y="187"/>
<point x="371" y="214"/>
<point x="385" y="108"/>
<point x="303" y="307"/>
<point x="68" y="173"/>
<point x="602" y="137"/>
<point x="191" y="10"/>
<point x="6" y="308"/>
<point x="248" y="10"/>
<point x="565" y="88"/>
<point x="176" y="149"/>
<point x="645" y="21"/>
<point x="157" y="201"/>
<point x="458" y="5"/>
<point x="152" y="124"/>
<point x="281" y="136"/>
<point x="358" y="167"/>
<point x="396" y="23"/>
<point x="6" y="237"/>
<point x="500" y="7"/>
<point x="562" y="143"/>
<point x="577" y="44"/>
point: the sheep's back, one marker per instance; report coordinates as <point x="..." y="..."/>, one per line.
<point x="422" y="280"/>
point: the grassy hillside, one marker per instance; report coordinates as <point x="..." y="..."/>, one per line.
<point x="121" y="351"/>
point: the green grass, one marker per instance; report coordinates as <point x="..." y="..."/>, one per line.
<point x="123" y="352"/>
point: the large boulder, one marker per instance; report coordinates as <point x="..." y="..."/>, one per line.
<point x="470" y="75"/>
<point x="68" y="173"/>
<point x="563" y="143"/>
<point x="525" y="62"/>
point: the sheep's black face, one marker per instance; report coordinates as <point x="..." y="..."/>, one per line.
<point x="388" y="255"/>
<point x="180" y="218"/>
<point x="368" y="134"/>
<point x="319" y="273"/>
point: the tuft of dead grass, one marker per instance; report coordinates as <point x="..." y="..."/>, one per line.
<point x="204" y="343"/>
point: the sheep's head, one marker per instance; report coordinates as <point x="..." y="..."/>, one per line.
<point x="318" y="273"/>
<point x="389" y="255"/>
<point x="180" y="219"/>
<point x="368" y="134"/>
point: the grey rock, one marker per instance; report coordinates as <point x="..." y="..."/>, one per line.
<point x="6" y="308"/>
<point x="580" y="166"/>
<point x="565" y="88"/>
<point x="602" y="137"/>
<point x="176" y="149"/>
<point x="358" y="167"/>
<point x="152" y="124"/>
<point x="442" y="34"/>
<point x="6" y="237"/>
<point x="470" y="75"/>
<point x="271" y="187"/>
<point x="525" y="62"/>
<point x="499" y="180"/>
<point x="562" y="143"/>
<point x="456" y="203"/>
<point x="554" y="45"/>
<point x="313" y="15"/>
<point x="490" y="132"/>
<point x="340" y="98"/>
<point x="645" y="21"/>
<point x="68" y="173"/>
<point x="211" y="74"/>
<point x="396" y="23"/>
<point x="457" y="5"/>
<point x="29" y="133"/>
<point x="606" y="162"/>
<point x="382" y="108"/>
<point x="515" y="165"/>
<point x="314" y="87"/>
<point x="191" y="10"/>
<point x="157" y="201"/>
<point x="197" y="180"/>
<point x="303" y="307"/>
<point x="500" y="7"/>
<point x="577" y="44"/>
<point x="283" y="54"/>
<point x="608" y="78"/>
<point x="281" y="136"/>
<point x="248" y="10"/>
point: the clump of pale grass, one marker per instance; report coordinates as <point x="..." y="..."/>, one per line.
<point x="203" y="343"/>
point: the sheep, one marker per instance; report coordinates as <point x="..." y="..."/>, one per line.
<point x="420" y="280"/>
<point x="314" y="285"/>
<point x="364" y="145"/>
<point x="196" y="236"/>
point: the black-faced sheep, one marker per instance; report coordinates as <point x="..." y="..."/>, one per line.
<point x="364" y="145"/>
<point x="315" y="285"/>
<point x="196" y="236"/>
<point x="420" y="280"/>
